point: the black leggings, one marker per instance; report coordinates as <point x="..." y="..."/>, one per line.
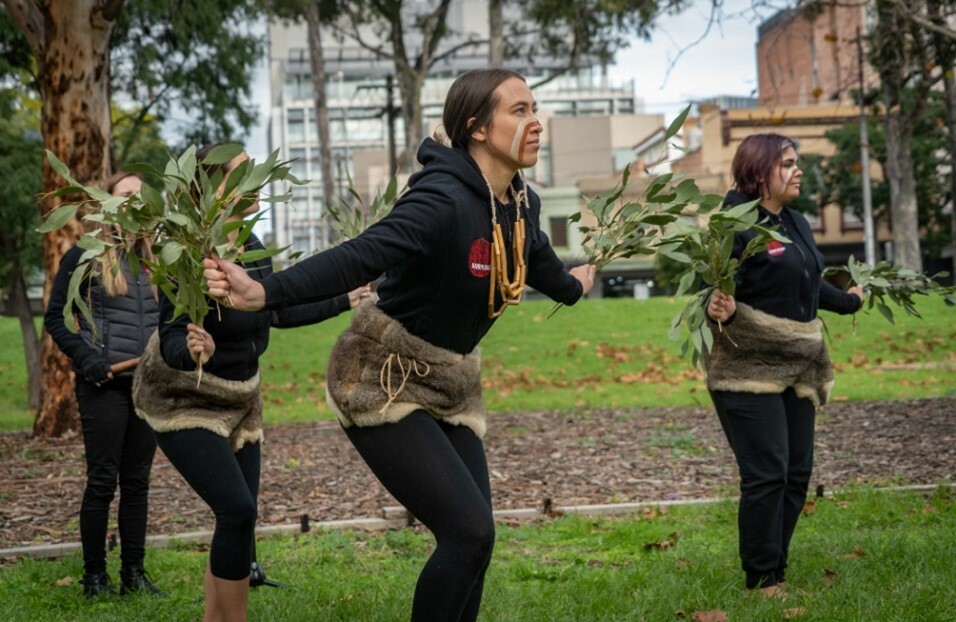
<point x="229" y="482"/>
<point x="119" y="446"/>
<point x="771" y="436"/>
<point x="439" y="473"/>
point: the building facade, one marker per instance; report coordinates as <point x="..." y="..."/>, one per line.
<point x="355" y="81"/>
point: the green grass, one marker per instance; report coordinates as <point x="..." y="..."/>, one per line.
<point x="861" y="555"/>
<point x="598" y="353"/>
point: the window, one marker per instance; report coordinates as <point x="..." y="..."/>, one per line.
<point x="558" y="233"/>
<point x="296" y="125"/>
<point x="298" y="163"/>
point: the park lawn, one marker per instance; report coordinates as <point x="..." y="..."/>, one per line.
<point x="596" y="354"/>
<point x="862" y="554"/>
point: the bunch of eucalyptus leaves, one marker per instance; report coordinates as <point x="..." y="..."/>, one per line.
<point x="350" y="219"/>
<point x="674" y="218"/>
<point x="885" y="283"/>
<point x="183" y="215"/>
<point x="704" y="252"/>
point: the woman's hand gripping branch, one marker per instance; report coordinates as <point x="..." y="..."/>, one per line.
<point x="230" y="284"/>
<point x="200" y="344"/>
<point x="585" y="275"/>
<point x="721" y="307"/>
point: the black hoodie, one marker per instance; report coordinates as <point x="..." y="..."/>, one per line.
<point x="434" y="248"/>
<point x="785" y="280"/>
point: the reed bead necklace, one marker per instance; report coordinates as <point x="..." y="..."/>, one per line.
<point x="510" y="289"/>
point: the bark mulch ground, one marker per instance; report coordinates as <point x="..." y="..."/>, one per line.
<point x="569" y="458"/>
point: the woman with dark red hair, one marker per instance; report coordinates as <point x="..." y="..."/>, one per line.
<point x="769" y="369"/>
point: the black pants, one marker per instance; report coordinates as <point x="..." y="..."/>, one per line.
<point x="229" y="483"/>
<point x="771" y="436"/>
<point x="439" y="473"/>
<point x="119" y="447"/>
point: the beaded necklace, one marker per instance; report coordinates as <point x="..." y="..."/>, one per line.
<point x="510" y="289"/>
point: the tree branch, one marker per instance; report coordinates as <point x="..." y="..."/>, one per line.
<point x="455" y="48"/>
<point x="110" y="9"/>
<point x="923" y="22"/>
<point x="553" y="76"/>
<point x="29" y="21"/>
<point x="433" y="22"/>
<point x="355" y="36"/>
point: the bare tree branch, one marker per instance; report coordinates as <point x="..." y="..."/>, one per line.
<point x="907" y="13"/>
<point x="353" y="33"/>
<point x="454" y="49"/>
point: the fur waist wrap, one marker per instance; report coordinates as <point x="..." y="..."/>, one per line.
<point x="169" y="399"/>
<point x="761" y="353"/>
<point x="379" y="373"/>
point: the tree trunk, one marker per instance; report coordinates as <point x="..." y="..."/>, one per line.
<point x="410" y="85"/>
<point x="496" y="36"/>
<point x="946" y="59"/>
<point x="20" y="306"/>
<point x="903" y="214"/>
<point x="71" y="43"/>
<point x="893" y="63"/>
<point x="317" y="60"/>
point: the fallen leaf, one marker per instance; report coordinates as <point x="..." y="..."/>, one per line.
<point x="794" y="612"/>
<point x="809" y="508"/>
<point x="660" y="546"/>
<point x="857" y="552"/>
<point x="65" y="581"/>
<point x="829" y="576"/>
<point x="710" y="616"/>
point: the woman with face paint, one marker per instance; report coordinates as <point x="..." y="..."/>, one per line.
<point x="457" y="249"/>
<point x="769" y="369"/>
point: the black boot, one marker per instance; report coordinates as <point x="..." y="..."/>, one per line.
<point x="135" y="579"/>
<point x="257" y="577"/>
<point x="97" y="584"/>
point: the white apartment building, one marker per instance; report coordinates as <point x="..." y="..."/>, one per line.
<point x="355" y="86"/>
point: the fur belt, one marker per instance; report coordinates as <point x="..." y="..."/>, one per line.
<point x="168" y="399"/>
<point x="379" y="373"/>
<point x="761" y="353"/>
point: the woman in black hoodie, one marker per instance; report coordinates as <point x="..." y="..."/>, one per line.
<point x="769" y="369"/>
<point x="456" y="250"/>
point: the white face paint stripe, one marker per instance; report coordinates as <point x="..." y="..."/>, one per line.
<point x="788" y="175"/>
<point x="521" y="136"/>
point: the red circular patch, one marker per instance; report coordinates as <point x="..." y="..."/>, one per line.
<point x="775" y="248"/>
<point x="479" y="257"/>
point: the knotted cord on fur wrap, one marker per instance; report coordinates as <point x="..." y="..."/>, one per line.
<point x="169" y="399"/>
<point x="385" y="376"/>
<point x="363" y="362"/>
<point x="761" y="353"/>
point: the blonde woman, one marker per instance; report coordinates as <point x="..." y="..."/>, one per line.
<point x="119" y="445"/>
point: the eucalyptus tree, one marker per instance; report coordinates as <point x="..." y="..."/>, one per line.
<point x="187" y="58"/>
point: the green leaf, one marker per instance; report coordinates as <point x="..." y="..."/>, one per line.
<point x="677" y="124"/>
<point x="59" y="218"/>
<point x="171" y="252"/>
<point x="222" y="154"/>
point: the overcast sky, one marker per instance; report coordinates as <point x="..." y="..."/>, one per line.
<point x="671" y="69"/>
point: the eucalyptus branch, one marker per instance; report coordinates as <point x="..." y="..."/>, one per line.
<point x="674" y="218"/>
<point x="885" y="283"/>
<point x="351" y="219"/>
<point x="188" y="216"/>
<point x="706" y="253"/>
